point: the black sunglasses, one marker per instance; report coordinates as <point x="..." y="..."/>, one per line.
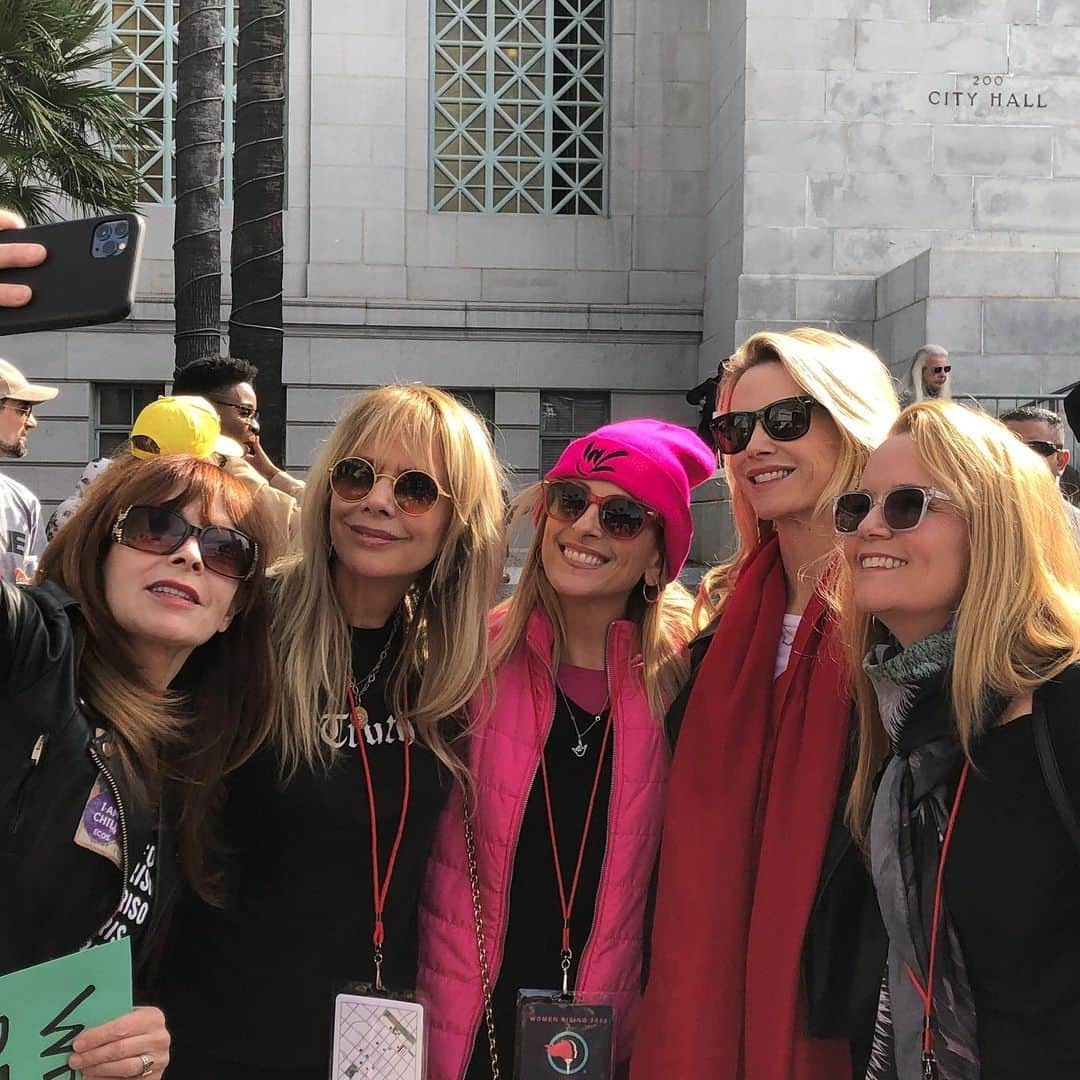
<point x="247" y="412"/>
<point x="784" y="420"/>
<point x="621" y="517"/>
<point x="938" y="370"/>
<point x="903" y="508"/>
<point x="415" y="491"/>
<point x="1044" y="448"/>
<point x="159" y="531"/>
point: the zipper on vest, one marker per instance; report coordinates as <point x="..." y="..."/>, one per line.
<point x="24" y="785"/>
<point x="611" y="803"/>
<point x="114" y="788"/>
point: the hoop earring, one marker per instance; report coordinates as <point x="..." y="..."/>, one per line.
<point x="645" y="593"/>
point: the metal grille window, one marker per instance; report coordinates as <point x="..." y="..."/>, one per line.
<point x="565" y="416"/>
<point x="519" y="106"/>
<point x="145" y="73"/>
<point x="116" y="406"/>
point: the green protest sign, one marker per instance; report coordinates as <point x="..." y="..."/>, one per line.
<point x="44" y="1008"/>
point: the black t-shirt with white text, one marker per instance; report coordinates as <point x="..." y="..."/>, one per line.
<point x="255" y="983"/>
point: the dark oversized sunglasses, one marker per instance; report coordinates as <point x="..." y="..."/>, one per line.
<point x="938" y="370"/>
<point x="1044" y="448"/>
<point x="621" y="517"/>
<point x="903" y="508"/>
<point x="415" y="491"/>
<point x="784" y="420"/>
<point x="159" y="531"/>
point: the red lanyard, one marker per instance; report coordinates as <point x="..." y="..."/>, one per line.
<point x="380" y="888"/>
<point x="927" y="992"/>
<point x="566" y="903"/>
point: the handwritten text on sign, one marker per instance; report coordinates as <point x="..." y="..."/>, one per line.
<point x="44" y="1008"/>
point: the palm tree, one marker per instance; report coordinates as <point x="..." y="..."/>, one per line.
<point x="63" y="134"/>
<point x="255" y="324"/>
<point x="197" y="229"/>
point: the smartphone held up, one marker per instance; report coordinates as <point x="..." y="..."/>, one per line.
<point x="87" y="277"/>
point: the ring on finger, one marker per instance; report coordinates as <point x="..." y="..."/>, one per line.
<point x="147" y="1065"/>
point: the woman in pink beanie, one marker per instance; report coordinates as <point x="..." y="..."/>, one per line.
<point x="547" y="882"/>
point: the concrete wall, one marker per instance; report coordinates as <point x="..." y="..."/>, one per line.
<point x="1010" y="319"/>
<point x="876" y="129"/>
<point x="379" y="288"/>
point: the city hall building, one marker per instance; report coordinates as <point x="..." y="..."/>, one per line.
<point x="573" y="209"/>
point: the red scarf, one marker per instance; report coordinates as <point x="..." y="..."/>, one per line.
<point x="750" y="801"/>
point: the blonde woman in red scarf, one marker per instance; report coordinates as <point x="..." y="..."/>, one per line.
<point x="740" y="977"/>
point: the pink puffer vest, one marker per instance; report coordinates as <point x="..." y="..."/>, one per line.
<point x="503" y="756"/>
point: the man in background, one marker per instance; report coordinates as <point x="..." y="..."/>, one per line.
<point x="1044" y="431"/>
<point x="928" y="378"/>
<point x="229" y="385"/>
<point x="21" y="534"/>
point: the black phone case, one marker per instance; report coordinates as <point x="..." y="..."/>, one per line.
<point x="71" y="287"/>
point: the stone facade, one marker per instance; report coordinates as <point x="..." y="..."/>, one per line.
<point x="873" y="130"/>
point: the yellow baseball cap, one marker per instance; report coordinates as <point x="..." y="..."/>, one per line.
<point x="181" y="425"/>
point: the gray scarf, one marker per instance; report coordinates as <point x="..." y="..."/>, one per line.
<point x="911" y="813"/>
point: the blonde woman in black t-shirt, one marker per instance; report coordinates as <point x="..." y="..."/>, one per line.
<point x="380" y="633"/>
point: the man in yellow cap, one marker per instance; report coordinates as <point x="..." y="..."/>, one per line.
<point x="182" y="425"/>
<point x="21" y="535"/>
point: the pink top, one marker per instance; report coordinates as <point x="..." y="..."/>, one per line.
<point x="584" y="686"/>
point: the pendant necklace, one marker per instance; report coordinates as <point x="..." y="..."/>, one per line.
<point x="358" y="691"/>
<point x="579" y="749"/>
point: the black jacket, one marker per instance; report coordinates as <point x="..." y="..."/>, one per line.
<point x="55" y="895"/>
<point x="845" y="945"/>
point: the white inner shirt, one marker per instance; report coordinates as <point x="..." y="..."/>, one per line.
<point x="788" y="631"/>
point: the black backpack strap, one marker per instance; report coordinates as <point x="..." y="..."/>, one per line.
<point x="1051" y="771"/>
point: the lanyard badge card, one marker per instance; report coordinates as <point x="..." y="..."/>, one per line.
<point x="561" y="1037"/>
<point x="557" y="1032"/>
<point x="378" y="1035"/>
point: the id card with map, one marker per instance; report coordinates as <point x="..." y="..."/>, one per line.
<point x="378" y="1038"/>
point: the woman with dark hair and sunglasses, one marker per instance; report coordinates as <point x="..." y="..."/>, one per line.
<point x="379" y="629"/>
<point x="745" y="984"/>
<point x="118" y="707"/>
<point x="569" y="757"/>
<point x="961" y="599"/>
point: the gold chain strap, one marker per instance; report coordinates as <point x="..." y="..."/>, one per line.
<point x="481" y="947"/>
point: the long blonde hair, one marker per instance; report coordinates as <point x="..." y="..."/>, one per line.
<point x="854" y="388"/>
<point x="664" y="627"/>
<point x="445" y="657"/>
<point x="1018" y="622"/>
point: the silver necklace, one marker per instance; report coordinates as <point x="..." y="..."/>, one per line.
<point x="579" y="749"/>
<point x="358" y="691"/>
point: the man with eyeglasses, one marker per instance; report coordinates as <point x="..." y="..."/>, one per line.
<point x="21" y="535"/>
<point x="1044" y="431"/>
<point x="228" y="383"/>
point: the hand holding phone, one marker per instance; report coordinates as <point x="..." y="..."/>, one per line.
<point x="17" y="255"/>
<point x="69" y="274"/>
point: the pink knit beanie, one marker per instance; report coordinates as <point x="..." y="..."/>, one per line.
<point x="656" y="462"/>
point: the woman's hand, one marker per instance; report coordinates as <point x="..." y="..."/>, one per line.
<point x="133" y="1045"/>
<point x="16" y="255"/>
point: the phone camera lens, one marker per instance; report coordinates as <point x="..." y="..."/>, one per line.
<point x="104" y="232"/>
<point x="109" y="247"/>
<point x="120" y="229"/>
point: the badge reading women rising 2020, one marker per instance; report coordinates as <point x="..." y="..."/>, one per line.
<point x="562" y="1038"/>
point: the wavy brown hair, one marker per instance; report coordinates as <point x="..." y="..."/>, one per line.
<point x="210" y="722"/>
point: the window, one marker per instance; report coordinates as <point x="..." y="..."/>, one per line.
<point x="116" y="407"/>
<point x="482" y="402"/>
<point x="145" y="73"/>
<point x="519" y="116"/>
<point x="565" y="416"/>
